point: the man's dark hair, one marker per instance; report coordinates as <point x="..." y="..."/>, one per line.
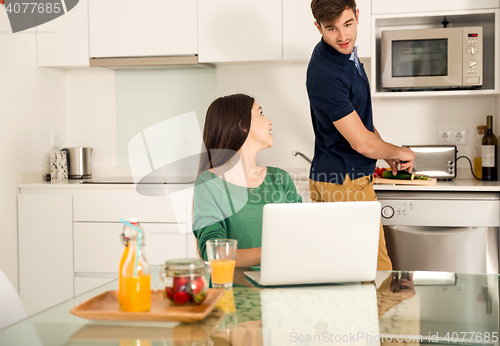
<point x="328" y="11"/>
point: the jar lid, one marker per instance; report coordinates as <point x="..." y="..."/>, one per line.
<point x="182" y="264"/>
<point x="481" y="129"/>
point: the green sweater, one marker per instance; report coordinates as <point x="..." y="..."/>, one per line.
<point x="226" y="211"/>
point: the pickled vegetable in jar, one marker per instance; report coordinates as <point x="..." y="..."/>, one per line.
<point x="185" y="281"/>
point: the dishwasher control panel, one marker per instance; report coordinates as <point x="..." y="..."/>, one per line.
<point x="389" y="212"/>
<point x="446" y="213"/>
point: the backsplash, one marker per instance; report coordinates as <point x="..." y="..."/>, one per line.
<point x="145" y="97"/>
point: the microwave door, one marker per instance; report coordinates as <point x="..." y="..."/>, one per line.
<point x="425" y="58"/>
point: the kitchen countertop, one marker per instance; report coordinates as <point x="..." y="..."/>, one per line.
<point x="456" y="185"/>
<point x="462" y="185"/>
<point x="34" y="181"/>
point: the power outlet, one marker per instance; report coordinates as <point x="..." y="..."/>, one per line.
<point x="54" y="140"/>
<point x="444" y="136"/>
<point x="452" y="136"/>
<point x="459" y="136"/>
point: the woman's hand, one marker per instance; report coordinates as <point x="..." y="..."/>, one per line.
<point x="248" y="257"/>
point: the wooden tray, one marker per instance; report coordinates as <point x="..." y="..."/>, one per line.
<point x="105" y="307"/>
<point x="430" y="182"/>
<point x="184" y="332"/>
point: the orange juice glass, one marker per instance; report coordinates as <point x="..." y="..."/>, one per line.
<point x="222" y="271"/>
<point x="221" y="254"/>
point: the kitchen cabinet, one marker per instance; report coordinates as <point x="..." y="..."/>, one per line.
<point x="84" y="284"/>
<point x="364" y="41"/>
<point x="64" y="42"/>
<point x="45" y="230"/>
<point x="98" y="247"/>
<point x="69" y="237"/>
<point x="231" y="31"/>
<point x="127" y="28"/>
<point x="99" y="207"/>
<point x="300" y="35"/>
<point x="410" y="6"/>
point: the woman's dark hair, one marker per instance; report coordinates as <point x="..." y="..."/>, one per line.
<point x="328" y="11"/>
<point x="227" y="125"/>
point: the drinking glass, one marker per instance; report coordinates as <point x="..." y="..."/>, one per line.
<point x="221" y="254"/>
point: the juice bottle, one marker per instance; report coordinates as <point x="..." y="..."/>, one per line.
<point x="134" y="292"/>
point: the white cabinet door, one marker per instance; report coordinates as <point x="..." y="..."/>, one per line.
<point x="111" y="207"/>
<point x="364" y="28"/>
<point x="98" y="248"/>
<point x="300" y="35"/>
<point x="64" y="41"/>
<point x="84" y="284"/>
<point x="45" y="250"/>
<point x="127" y="28"/>
<point x="409" y="6"/>
<point x="239" y="30"/>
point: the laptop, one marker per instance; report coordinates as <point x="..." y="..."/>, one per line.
<point x="314" y="243"/>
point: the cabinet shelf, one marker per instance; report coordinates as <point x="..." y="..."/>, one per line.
<point x="434" y="93"/>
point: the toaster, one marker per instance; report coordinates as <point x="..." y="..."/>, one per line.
<point x="435" y="161"/>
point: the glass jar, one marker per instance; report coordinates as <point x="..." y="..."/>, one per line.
<point x="185" y="281"/>
<point x="134" y="293"/>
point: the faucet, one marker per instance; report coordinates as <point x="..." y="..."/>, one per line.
<point x="295" y="153"/>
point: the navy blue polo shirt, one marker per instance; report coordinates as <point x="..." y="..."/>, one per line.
<point x="336" y="88"/>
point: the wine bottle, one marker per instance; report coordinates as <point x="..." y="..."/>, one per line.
<point x="478" y="167"/>
<point x="489" y="152"/>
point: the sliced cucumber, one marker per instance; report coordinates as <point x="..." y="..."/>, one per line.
<point x="403" y="175"/>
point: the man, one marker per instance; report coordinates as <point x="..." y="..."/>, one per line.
<point x="347" y="144"/>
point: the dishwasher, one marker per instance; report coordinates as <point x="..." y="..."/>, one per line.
<point x="442" y="231"/>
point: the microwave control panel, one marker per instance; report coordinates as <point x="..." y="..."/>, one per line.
<point x="472" y="70"/>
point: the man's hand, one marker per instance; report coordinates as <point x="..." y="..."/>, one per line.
<point x="404" y="161"/>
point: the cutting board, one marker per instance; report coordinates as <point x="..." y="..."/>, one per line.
<point x="430" y="182"/>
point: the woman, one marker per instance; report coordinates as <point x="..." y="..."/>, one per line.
<point x="231" y="190"/>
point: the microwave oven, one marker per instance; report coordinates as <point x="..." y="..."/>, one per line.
<point x="439" y="58"/>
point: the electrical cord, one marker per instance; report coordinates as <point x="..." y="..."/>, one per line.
<point x="470" y="163"/>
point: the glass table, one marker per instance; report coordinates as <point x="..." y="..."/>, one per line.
<point x="399" y="307"/>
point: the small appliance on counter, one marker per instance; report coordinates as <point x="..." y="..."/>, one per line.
<point x="79" y="162"/>
<point x="435" y="161"/>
